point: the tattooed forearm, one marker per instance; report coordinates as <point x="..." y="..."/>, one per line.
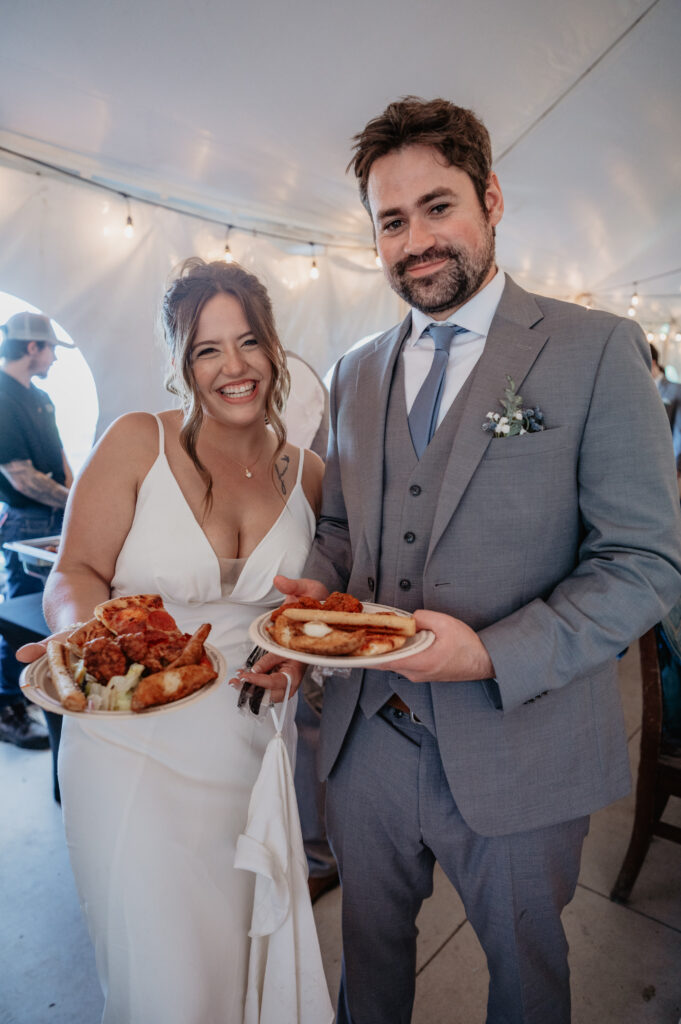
<point x="28" y="480"/>
<point x="281" y="468"/>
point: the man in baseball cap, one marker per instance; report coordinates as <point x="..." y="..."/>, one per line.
<point x="34" y="484"/>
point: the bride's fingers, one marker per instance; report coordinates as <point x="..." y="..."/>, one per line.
<point x="270" y="661"/>
<point x="31" y="652"/>
<point x="275" y="682"/>
<point x="266" y="663"/>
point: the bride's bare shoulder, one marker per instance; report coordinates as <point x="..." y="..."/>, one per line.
<point x="132" y="441"/>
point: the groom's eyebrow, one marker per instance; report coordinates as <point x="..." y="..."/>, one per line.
<point x="438" y="193"/>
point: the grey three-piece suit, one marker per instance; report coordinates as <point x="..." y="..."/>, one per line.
<point x="559" y="548"/>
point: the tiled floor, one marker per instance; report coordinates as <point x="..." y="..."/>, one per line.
<point x="626" y="960"/>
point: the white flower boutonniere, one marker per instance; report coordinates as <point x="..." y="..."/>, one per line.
<point x="514" y="419"/>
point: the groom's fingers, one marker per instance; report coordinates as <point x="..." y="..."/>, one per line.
<point x="301" y="588"/>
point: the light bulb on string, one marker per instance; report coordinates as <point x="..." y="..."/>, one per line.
<point x="631" y="311"/>
<point x="129" y="229"/>
<point x="635" y="298"/>
<point x="227" y="254"/>
<point x="377" y="259"/>
<point x="314" y="269"/>
<point x="650" y="336"/>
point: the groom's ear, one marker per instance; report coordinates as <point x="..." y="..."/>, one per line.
<point x="494" y="200"/>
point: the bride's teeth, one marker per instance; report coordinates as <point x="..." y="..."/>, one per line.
<point x="243" y="389"/>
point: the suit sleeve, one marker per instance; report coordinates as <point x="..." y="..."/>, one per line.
<point x="330" y="560"/>
<point x="676" y="428"/>
<point x="628" y="572"/>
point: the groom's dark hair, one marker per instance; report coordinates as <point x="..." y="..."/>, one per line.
<point x="454" y="131"/>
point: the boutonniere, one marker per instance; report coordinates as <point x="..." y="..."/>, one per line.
<point x="514" y="419"/>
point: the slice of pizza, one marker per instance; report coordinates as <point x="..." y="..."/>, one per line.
<point x="135" y="614"/>
<point x="86" y="632"/>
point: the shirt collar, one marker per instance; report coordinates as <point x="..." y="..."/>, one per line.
<point x="476" y="315"/>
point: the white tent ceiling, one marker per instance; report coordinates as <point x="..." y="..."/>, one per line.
<point x="244" y="113"/>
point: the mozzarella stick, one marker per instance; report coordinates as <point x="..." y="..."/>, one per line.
<point x="70" y="695"/>
<point x="170" y="685"/>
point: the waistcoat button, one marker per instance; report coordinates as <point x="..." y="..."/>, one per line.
<point x="410" y="537"/>
<point x="405" y="585"/>
<point x="415" y="490"/>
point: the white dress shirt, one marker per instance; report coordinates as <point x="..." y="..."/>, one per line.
<point x="476" y="316"/>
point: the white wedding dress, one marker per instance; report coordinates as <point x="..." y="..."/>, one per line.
<point x="153" y="805"/>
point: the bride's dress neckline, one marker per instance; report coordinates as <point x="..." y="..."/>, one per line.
<point x="226" y="563"/>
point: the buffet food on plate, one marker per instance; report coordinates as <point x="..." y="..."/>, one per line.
<point x="339" y="627"/>
<point x="130" y="657"/>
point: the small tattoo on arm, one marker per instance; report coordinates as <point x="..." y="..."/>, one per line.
<point x="284" y="463"/>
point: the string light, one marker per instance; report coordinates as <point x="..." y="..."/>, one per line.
<point x="129" y="229"/>
<point x="227" y="255"/>
<point x="665" y="331"/>
<point x="314" y="269"/>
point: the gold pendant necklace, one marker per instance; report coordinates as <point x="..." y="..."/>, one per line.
<point x="248" y="472"/>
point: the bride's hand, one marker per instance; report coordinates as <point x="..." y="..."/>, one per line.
<point x="31" y="652"/>
<point x="272" y="673"/>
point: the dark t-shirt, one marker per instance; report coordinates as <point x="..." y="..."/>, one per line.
<point x="28" y="430"/>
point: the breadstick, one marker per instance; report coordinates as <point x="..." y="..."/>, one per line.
<point x="70" y="695"/>
<point x="383" y="621"/>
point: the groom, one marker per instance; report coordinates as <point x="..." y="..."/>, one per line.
<point x="541" y="542"/>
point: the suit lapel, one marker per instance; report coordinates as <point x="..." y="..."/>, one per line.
<point x="512" y="345"/>
<point x="375" y="371"/>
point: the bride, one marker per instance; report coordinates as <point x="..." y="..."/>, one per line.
<point x="204" y="507"/>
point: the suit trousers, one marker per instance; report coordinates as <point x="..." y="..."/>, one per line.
<point x="390" y="816"/>
<point x="310" y="792"/>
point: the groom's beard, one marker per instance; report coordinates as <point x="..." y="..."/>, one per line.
<point x="449" y="287"/>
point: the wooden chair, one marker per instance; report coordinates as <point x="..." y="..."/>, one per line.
<point x="659" y="776"/>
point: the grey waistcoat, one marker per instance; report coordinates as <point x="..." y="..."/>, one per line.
<point x="410" y="493"/>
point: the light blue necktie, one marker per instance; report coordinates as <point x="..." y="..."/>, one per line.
<point x="424" y="411"/>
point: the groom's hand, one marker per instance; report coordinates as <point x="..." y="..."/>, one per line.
<point x="294" y="589"/>
<point x="456" y="654"/>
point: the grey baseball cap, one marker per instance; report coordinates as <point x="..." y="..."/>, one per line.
<point x="32" y="327"/>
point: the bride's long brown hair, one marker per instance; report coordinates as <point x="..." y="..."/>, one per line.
<point x="195" y="282"/>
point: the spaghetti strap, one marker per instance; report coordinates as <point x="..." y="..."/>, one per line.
<point x="161" y="434"/>
<point x="301" y="459"/>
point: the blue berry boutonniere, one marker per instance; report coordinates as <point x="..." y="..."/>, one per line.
<point x="514" y="419"/>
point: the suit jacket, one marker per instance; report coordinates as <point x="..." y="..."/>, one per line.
<point x="559" y="547"/>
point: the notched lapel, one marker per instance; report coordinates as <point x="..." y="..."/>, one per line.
<point x="512" y="345"/>
<point x="374" y="374"/>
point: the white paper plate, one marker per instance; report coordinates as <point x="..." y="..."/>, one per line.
<point x="413" y="645"/>
<point x="36" y="684"/>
